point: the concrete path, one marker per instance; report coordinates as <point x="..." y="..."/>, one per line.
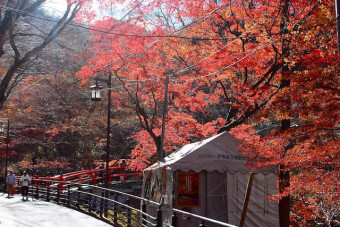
<point x="15" y="212"/>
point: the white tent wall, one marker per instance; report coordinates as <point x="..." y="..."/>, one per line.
<point x="216" y="194"/>
<point x="261" y="211"/>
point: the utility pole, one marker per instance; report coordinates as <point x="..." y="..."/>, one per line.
<point x="109" y="81"/>
<point x="165" y="110"/>
<point x="7" y="142"/>
<point x="337" y="14"/>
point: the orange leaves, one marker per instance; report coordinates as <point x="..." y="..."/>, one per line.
<point x="230" y="58"/>
<point x="43" y="164"/>
<point x="317" y="197"/>
<point x="181" y="129"/>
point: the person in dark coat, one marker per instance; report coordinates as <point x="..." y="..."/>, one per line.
<point x="101" y="172"/>
<point x="25" y="180"/>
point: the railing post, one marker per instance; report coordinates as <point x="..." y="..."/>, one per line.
<point x="174" y="219"/>
<point x="159" y="216"/>
<point x="203" y="224"/>
<point x="106" y="206"/>
<point x="94" y="178"/>
<point x="61" y="185"/>
<point x="101" y="204"/>
<point x="68" y="195"/>
<point x="37" y="190"/>
<point x="115" y="210"/>
<point x="58" y="193"/>
<point x="32" y="187"/>
<point x="36" y="182"/>
<point x="144" y="211"/>
<point x="128" y="212"/>
<point x="78" y="197"/>
<point x="110" y="178"/>
<point x="90" y="200"/>
<point x="48" y="193"/>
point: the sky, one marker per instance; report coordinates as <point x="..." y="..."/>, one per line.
<point x="58" y="7"/>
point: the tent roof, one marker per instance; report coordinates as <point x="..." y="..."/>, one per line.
<point x="218" y="153"/>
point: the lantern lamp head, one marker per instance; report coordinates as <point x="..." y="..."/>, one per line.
<point x="95" y="92"/>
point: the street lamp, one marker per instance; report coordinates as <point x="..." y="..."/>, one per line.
<point x="95" y="92"/>
<point x="95" y="96"/>
<point x="3" y="124"/>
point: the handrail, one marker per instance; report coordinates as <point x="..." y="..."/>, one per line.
<point x="66" y="176"/>
<point x="94" y="202"/>
<point x="203" y="218"/>
<point x="107" y="189"/>
<point x="119" y="203"/>
<point x="81" y="195"/>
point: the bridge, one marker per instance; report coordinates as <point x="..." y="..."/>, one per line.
<point x="82" y="192"/>
<point x="91" y="176"/>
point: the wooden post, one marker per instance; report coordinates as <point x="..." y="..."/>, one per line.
<point x="246" y="199"/>
<point x="48" y="193"/>
<point x="174" y="219"/>
<point x="129" y="211"/>
<point x="101" y="204"/>
<point x="115" y="210"/>
<point x="68" y="195"/>
<point x="143" y="215"/>
<point x="58" y="193"/>
<point x="78" y="197"/>
<point x="159" y="219"/>
<point x="90" y="201"/>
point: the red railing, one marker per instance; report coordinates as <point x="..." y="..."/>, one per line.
<point x="92" y="176"/>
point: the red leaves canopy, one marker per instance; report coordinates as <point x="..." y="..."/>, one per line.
<point x="228" y="57"/>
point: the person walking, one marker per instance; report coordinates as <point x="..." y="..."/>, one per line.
<point x="25" y="180"/>
<point x="101" y="172"/>
<point x="10" y="181"/>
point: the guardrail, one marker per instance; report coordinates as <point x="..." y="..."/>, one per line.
<point x="91" y="176"/>
<point x="109" y="205"/>
<point x="99" y="201"/>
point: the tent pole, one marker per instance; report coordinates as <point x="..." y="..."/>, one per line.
<point x="246" y="199"/>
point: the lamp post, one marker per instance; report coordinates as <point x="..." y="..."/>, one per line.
<point x="3" y="124"/>
<point x="165" y="110"/>
<point x="95" y="96"/>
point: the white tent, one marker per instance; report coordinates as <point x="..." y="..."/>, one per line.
<point x="222" y="178"/>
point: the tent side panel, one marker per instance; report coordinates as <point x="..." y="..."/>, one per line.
<point x="261" y="211"/>
<point x="217" y="204"/>
<point x="184" y="221"/>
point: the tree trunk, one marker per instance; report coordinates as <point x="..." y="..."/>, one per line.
<point x="284" y="178"/>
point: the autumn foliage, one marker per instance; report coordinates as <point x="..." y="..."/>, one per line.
<point x="241" y="66"/>
<point x="225" y="60"/>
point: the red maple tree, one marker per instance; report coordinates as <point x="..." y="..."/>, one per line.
<point x="255" y="62"/>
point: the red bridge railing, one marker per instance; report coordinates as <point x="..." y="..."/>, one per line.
<point x="91" y="176"/>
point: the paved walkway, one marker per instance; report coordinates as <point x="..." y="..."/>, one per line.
<point x="15" y="212"/>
